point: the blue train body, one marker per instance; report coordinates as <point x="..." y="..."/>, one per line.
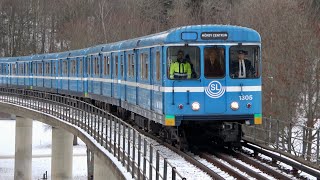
<point x="134" y="75"/>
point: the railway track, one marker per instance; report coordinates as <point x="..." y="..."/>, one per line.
<point x="214" y="157"/>
<point x="276" y="157"/>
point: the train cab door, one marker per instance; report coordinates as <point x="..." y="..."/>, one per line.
<point x="214" y="68"/>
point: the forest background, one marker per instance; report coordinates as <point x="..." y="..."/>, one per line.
<point x="290" y="31"/>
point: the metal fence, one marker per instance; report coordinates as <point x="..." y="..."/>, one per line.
<point x="141" y="159"/>
<point x="286" y="137"/>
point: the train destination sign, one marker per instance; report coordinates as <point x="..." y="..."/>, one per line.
<point x="214" y="35"/>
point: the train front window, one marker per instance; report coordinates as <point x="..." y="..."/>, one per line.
<point x="244" y="62"/>
<point x="183" y="62"/>
<point x="214" y="62"/>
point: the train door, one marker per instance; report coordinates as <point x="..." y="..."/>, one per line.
<point x="1" y="73"/>
<point x="95" y="82"/>
<point x="122" y="76"/>
<point x="214" y="65"/>
<point x="59" y="75"/>
<point x="106" y="75"/>
<point x="15" y="73"/>
<point x="131" y="88"/>
<point x="34" y="73"/>
<point x="72" y="74"/>
<point x="85" y="76"/>
<point x="144" y="95"/>
<point x="55" y="74"/>
<point x="136" y="75"/>
<point x="80" y="83"/>
<point x="89" y="73"/>
<point x="41" y="73"/>
<point x="156" y="81"/>
<point x="20" y="78"/>
<point x="64" y="74"/>
<point x="115" y="68"/>
<point x="46" y="74"/>
<point x="100" y="72"/>
<point x="27" y="74"/>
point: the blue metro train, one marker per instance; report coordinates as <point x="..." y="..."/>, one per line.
<point x="135" y="79"/>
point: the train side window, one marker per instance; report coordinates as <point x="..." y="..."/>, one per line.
<point x="39" y="68"/>
<point x="65" y="67"/>
<point x="129" y="66"/>
<point x="59" y="67"/>
<point x="122" y="65"/>
<point x="34" y="68"/>
<point x="48" y="68"/>
<point x="88" y="66"/>
<point x="9" y="69"/>
<point x="104" y="65"/>
<point x="26" y="69"/>
<point x="14" y="69"/>
<point x="144" y="64"/>
<point x="80" y="67"/>
<point x="97" y="66"/>
<point x="21" y="72"/>
<point x="93" y="66"/>
<point x="73" y="67"/>
<point x="132" y="65"/>
<point x="108" y="65"/>
<point x="158" y="65"/>
<point x="116" y="66"/>
<point x="45" y="68"/>
<point x="54" y="68"/>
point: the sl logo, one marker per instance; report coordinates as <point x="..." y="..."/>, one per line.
<point x="215" y="89"/>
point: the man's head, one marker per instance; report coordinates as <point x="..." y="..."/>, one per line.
<point x="180" y="55"/>
<point x="213" y="55"/>
<point x="241" y="54"/>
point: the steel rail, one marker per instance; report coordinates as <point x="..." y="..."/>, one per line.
<point x="287" y="161"/>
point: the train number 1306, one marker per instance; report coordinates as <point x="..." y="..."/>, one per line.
<point x="246" y="97"/>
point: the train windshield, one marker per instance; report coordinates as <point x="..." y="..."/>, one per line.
<point x="214" y="62"/>
<point x="183" y="62"/>
<point x="244" y="62"/>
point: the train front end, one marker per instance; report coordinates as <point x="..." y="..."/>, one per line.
<point x="224" y="88"/>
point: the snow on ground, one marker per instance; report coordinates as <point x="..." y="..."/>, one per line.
<point x="41" y="144"/>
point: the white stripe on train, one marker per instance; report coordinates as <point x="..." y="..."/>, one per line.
<point x="146" y="86"/>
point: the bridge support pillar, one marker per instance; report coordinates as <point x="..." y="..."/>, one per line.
<point x="101" y="170"/>
<point x="61" y="160"/>
<point x="23" y="149"/>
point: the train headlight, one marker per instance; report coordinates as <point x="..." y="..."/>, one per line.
<point x="234" y="106"/>
<point x="195" y="106"/>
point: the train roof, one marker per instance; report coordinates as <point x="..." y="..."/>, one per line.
<point x="191" y="34"/>
<point x="180" y="35"/>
